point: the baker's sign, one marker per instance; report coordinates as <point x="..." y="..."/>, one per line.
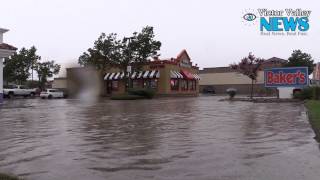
<point x="286" y="77"/>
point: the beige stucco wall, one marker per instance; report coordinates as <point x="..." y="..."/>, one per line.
<point x="59" y="83"/>
<point x="228" y="78"/>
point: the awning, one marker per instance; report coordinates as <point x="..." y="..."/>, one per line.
<point x="187" y="74"/>
<point x="106" y="76"/>
<point x="158" y="74"/>
<point x="179" y="75"/>
<point x="145" y="74"/>
<point x="134" y="74"/>
<point x="140" y="75"/>
<point x="173" y="75"/>
<point x="121" y="75"/>
<point x="111" y="76"/>
<point x="116" y="76"/>
<point x="196" y="76"/>
<point x="152" y="74"/>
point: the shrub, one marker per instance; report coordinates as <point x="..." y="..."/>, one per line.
<point x="8" y="177"/>
<point x="231" y="92"/>
<point x="147" y="93"/>
<point x="126" y="97"/>
<point x="308" y="93"/>
<point x="316" y="93"/>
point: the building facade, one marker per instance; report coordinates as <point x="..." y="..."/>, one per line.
<point x="6" y="50"/>
<point x="316" y="72"/>
<point x="219" y="79"/>
<point x="168" y="77"/>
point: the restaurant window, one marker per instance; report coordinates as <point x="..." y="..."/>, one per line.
<point x="174" y="83"/>
<point x="136" y="83"/>
<point x="193" y="85"/>
<point x="150" y="83"/>
<point x="115" y="85"/>
<point x="184" y="85"/>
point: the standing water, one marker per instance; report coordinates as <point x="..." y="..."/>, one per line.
<point x="177" y="138"/>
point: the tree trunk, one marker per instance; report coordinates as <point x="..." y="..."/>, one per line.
<point x="127" y="83"/>
<point x="251" y="96"/>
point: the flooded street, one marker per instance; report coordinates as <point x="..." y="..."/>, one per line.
<point x="177" y="138"/>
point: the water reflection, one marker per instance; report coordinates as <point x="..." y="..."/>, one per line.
<point x="176" y="138"/>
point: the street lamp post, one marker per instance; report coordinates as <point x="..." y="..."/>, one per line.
<point x="129" y="69"/>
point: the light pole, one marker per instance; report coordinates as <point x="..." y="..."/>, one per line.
<point x="129" y="67"/>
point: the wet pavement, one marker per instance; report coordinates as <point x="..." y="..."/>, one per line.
<point x="178" y="138"/>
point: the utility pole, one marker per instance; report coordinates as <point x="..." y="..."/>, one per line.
<point x="32" y="75"/>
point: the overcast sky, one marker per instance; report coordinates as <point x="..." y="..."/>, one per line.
<point x="212" y="31"/>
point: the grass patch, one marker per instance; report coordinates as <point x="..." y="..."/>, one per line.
<point x="313" y="107"/>
<point x="8" y="177"/>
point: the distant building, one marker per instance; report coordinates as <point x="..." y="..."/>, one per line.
<point x="6" y="50"/>
<point x="59" y="83"/>
<point x="219" y="79"/>
<point x="316" y="72"/>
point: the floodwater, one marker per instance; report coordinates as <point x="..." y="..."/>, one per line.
<point x="177" y="138"/>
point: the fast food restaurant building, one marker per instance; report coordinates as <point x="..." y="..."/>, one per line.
<point x="168" y="77"/>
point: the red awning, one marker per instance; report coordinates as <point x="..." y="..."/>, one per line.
<point x="187" y="74"/>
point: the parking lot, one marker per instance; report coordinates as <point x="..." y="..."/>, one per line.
<point x="166" y="138"/>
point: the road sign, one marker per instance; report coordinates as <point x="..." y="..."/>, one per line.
<point x="129" y="69"/>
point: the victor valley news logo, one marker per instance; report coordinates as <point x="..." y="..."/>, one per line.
<point x="283" y="22"/>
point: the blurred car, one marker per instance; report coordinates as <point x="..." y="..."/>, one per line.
<point x="51" y="93"/>
<point x="208" y="90"/>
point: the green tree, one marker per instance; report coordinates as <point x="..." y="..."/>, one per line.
<point x="249" y="66"/>
<point x="46" y="70"/>
<point x="103" y="52"/>
<point x="17" y="67"/>
<point x="300" y="59"/>
<point x="33" y="59"/>
<point x="134" y="50"/>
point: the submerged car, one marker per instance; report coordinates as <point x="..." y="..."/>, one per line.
<point x="51" y="93"/>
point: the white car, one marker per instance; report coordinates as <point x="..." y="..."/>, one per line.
<point x="51" y="93"/>
<point x="18" y="90"/>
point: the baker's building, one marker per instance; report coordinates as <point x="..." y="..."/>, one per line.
<point x="6" y="50"/>
<point x="219" y="79"/>
<point x="168" y="77"/>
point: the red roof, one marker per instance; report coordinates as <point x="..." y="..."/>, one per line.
<point x="174" y="61"/>
<point x="181" y="54"/>
<point x="7" y="47"/>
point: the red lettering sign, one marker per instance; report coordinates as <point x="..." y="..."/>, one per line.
<point x="285" y="78"/>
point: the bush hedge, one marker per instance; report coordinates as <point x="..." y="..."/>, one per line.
<point x="134" y="94"/>
<point x="147" y="93"/>
<point x="231" y="92"/>
<point x="8" y="177"/>
<point x="308" y="93"/>
<point x="126" y="97"/>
